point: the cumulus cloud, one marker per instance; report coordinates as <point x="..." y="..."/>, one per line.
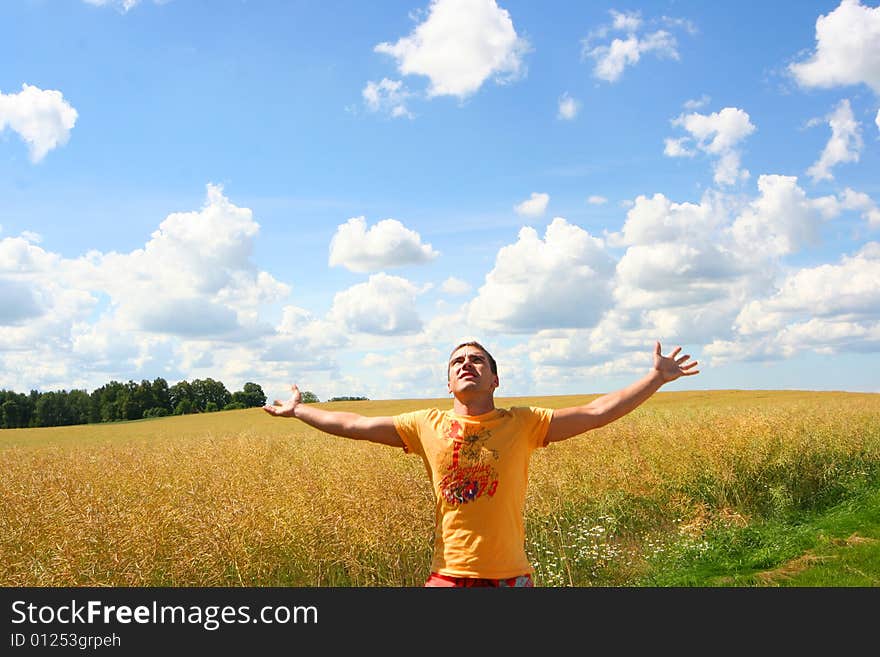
<point x="387" y="96"/>
<point x="42" y="298"/>
<point x="387" y="244"/>
<point x="190" y="293"/>
<point x="677" y="147"/>
<point x="41" y="117"/>
<point x="677" y="277"/>
<point x="202" y="255"/>
<point x="568" y="107"/>
<point x="715" y="272"/>
<point x="562" y="280"/>
<point x="717" y="134"/>
<point x="185" y="317"/>
<point x="657" y="219"/>
<point x="304" y="342"/>
<point x="18" y="302"/>
<point x="384" y="305"/>
<point x="844" y="145"/>
<point x="689" y="268"/>
<point x="460" y="45"/>
<point x="853" y="200"/>
<point x="455" y="286"/>
<point x="847" y="49"/>
<point x="844" y="296"/>
<point x="534" y="206"/>
<point x="781" y="220"/>
<point x="611" y="59"/>
<point x="595" y="199"/>
<point x="417" y="370"/>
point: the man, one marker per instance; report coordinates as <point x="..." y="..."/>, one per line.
<point x="477" y="457"/>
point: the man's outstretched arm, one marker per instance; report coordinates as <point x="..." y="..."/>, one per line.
<point x="568" y="422"/>
<point x="379" y="429"/>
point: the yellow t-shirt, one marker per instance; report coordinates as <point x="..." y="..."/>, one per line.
<point x="478" y="465"/>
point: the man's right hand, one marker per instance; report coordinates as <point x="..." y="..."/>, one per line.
<point x="286" y="408"/>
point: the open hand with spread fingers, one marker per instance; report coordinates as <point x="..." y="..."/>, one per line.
<point x="673" y="366"/>
<point x="285" y="408"/>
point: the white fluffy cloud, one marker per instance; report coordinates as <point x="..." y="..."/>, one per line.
<point x="44" y="300"/>
<point x="455" y="286"/>
<point x="690" y="268"/>
<point x="199" y="260"/>
<point x="411" y="371"/>
<point x="611" y="59"/>
<point x="568" y="107"/>
<point x="41" y="117"/>
<point x="834" y="306"/>
<point x="384" y="305"/>
<point x="304" y="343"/>
<point x="853" y="200"/>
<point x="595" y="199"/>
<point x="18" y="302"/>
<point x="844" y="145"/>
<point x="677" y="276"/>
<point x="658" y="219"/>
<point x="847" y="49"/>
<point x="781" y="220"/>
<point x="185" y="299"/>
<point x="534" y="206"/>
<point x="717" y="134"/>
<point x="562" y="280"/>
<point x="677" y="147"/>
<point x="387" y="96"/>
<point x="460" y="45"/>
<point x="387" y="244"/>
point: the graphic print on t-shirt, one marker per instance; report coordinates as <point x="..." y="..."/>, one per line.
<point x="470" y="474"/>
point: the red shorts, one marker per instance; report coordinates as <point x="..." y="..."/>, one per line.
<point x="437" y="580"/>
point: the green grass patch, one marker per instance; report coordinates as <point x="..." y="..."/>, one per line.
<point x="838" y="546"/>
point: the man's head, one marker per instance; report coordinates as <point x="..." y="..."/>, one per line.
<point x="471" y="368"/>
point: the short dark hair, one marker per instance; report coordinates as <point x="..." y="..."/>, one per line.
<point x="474" y="343"/>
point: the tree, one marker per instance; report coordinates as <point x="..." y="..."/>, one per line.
<point x="106" y="402"/>
<point x="250" y="397"/>
<point x="181" y="392"/>
<point x="161" y="394"/>
<point x="308" y="397"/>
<point x="79" y="406"/>
<point x="52" y="410"/>
<point x="209" y="390"/>
<point x="138" y="398"/>
<point x="14" y="412"/>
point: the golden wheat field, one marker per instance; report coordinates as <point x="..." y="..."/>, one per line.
<point x="240" y="498"/>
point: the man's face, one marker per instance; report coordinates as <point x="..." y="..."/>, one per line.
<point x="470" y="371"/>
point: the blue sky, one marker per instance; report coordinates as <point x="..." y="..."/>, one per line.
<point x="336" y="193"/>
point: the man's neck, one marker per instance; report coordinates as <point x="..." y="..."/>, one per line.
<point x="473" y="406"/>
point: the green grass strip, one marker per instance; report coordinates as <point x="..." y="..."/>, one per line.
<point x="836" y="547"/>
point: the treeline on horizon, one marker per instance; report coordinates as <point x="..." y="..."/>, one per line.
<point x="117" y="401"/>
